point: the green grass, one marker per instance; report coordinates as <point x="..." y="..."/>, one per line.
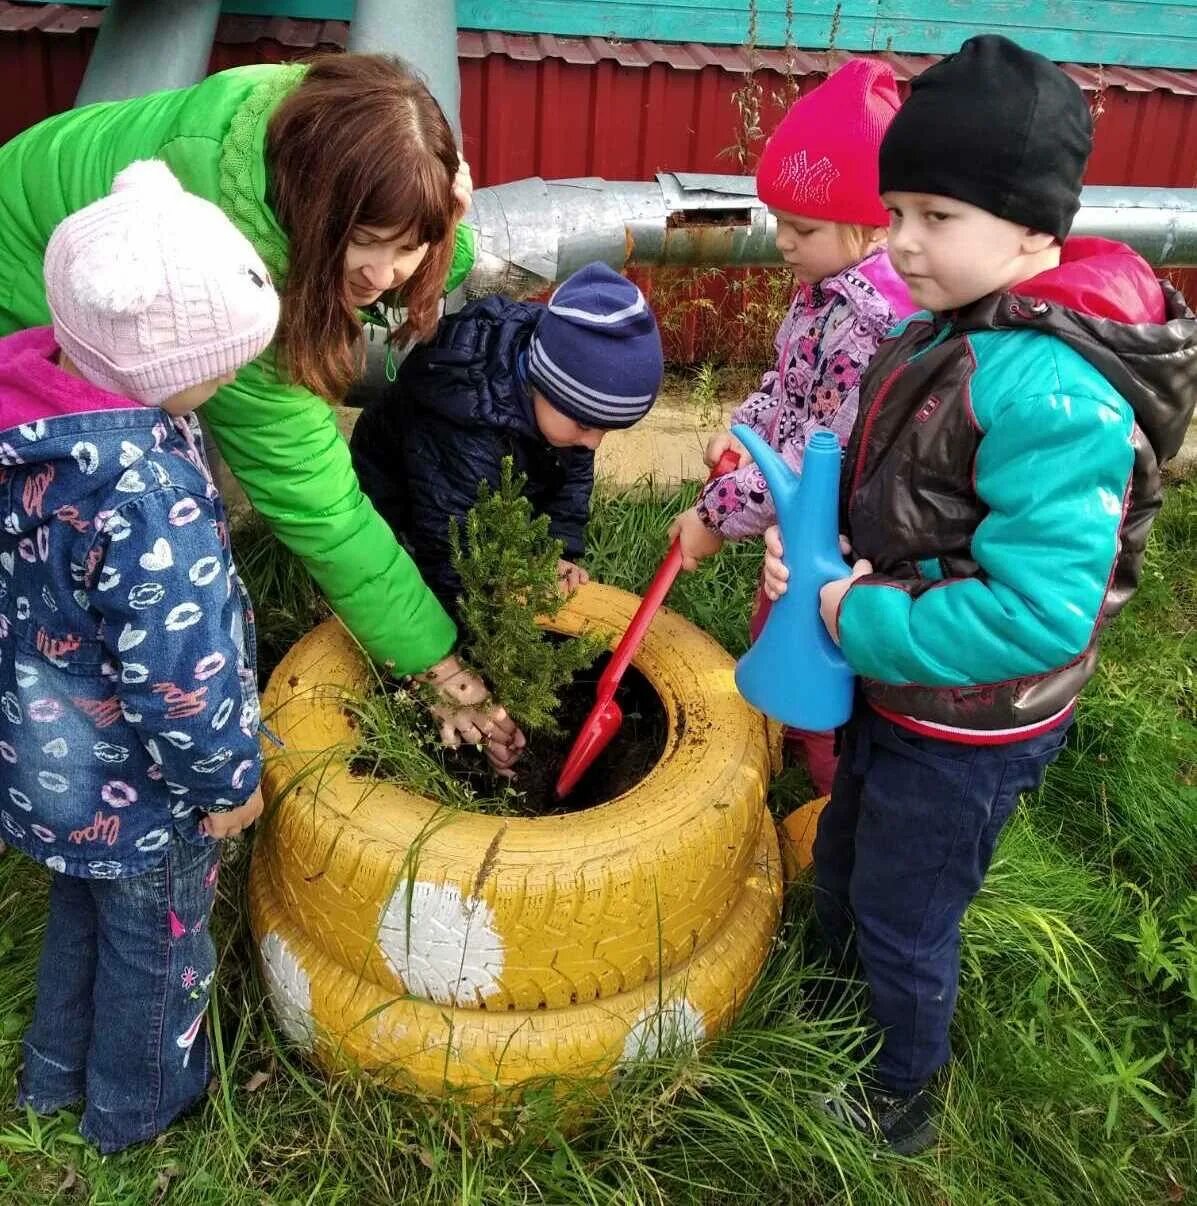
<point x="399" y="742"/>
<point x="1075" y="1035"/>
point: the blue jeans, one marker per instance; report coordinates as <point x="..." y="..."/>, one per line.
<point x="122" y="988"/>
<point x="901" y="850"/>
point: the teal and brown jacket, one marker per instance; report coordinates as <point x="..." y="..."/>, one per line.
<point x="1002" y="477"/>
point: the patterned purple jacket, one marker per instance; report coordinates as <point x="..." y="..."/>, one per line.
<point x="823" y="348"/>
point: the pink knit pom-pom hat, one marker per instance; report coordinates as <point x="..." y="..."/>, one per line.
<point x="153" y="290"/>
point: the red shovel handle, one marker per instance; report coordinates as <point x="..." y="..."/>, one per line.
<point x="652" y="599"/>
<point x="604" y="718"/>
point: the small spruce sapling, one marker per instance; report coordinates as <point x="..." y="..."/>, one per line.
<point x="507" y="563"/>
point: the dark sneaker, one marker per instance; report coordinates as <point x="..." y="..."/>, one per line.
<point x="907" y="1124"/>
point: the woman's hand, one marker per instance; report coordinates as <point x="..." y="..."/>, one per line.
<point x="463" y="188"/>
<point x="503" y="758"/>
<point x="220" y="825"/>
<point x="571" y="576"/>
<point x="717" y="445"/>
<point x="467" y="714"/>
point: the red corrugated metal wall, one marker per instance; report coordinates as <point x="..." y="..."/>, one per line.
<point x="555" y="107"/>
<point x="558" y="107"/>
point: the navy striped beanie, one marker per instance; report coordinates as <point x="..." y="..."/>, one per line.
<point x="596" y="351"/>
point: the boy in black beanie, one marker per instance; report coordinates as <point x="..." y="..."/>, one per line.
<point x="999" y="486"/>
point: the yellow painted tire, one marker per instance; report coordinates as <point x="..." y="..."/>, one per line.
<point x="561" y="909"/>
<point x="796" y="837"/>
<point x="417" y="1045"/>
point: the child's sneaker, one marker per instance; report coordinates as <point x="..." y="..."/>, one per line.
<point x="907" y="1124"/>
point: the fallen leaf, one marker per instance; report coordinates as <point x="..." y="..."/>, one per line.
<point x="70" y="1179"/>
<point x="427" y="1159"/>
<point x="163" y="1179"/>
<point x="258" y="1079"/>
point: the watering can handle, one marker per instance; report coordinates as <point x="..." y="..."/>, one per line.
<point x="653" y="597"/>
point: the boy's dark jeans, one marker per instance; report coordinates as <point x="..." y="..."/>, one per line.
<point x="122" y="987"/>
<point x="901" y="850"/>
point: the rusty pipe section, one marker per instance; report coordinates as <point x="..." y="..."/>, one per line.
<point x="533" y="233"/>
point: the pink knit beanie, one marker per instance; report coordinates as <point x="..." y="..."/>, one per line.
<point x="821" y="161"/>
<point x="153" y="290"/>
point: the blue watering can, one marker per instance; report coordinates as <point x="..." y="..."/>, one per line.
<point x="795" y="671"/>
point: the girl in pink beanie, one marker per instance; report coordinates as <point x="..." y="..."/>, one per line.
<point x="128" y="700"/>
<point x="818" y="175"/>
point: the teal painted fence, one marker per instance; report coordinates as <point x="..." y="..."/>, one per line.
<point x="1140" y="33"/>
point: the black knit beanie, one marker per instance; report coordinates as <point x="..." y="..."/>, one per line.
<point x="996" y="126"/>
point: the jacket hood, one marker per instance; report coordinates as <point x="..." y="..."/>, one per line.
<point x="1105" y="302"/>
<point x="1101" y="279"/>
<point x="878" y="270"/>
<point x="77" y="441"/>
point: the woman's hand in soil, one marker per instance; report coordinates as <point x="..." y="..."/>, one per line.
<point x="221" y="825"/>
<point x="831" y="597"/>
<point x="463" y="188"/>
<point x="504" y="755"/>
<point x="717" y="445"/>
<point x="571" y="576"/>
<point x="465" y="710"/>
<point x="696" y="539"/>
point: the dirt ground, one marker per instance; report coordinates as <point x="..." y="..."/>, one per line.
<point x="667" y="445"/>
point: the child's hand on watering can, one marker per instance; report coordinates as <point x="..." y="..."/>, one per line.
<point x="571" y="576"/>
<point x="717" y="445"/>
<point x="775" y="577"/>
<point x="696" y="540"/>
<point x="831" y="597"/>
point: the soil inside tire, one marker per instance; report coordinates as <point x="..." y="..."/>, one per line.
<point x="633" y="752"/>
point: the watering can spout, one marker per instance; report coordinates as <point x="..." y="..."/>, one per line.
<point x="795" y="671"/>
<point x="783" y="482"/>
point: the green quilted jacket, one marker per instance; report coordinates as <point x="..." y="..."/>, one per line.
<point x="279" y="440"/>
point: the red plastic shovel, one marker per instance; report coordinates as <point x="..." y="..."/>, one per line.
<point x="605" y="717"/>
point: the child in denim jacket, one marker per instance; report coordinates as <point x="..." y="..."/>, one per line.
<point x="128" y="702"/>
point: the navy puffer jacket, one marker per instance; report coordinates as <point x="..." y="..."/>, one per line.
<point x="460" y="405"/>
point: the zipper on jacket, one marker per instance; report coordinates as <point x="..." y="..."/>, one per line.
<point x="882" y="393"/>
<point x="867" y="428"/>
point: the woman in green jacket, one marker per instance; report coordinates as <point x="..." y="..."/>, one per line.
<point x="342" y="174"/>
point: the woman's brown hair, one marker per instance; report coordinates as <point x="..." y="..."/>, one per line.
<point x="360" y="141"/>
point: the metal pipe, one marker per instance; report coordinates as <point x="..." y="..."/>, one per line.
<point x="533" y="233"/>
<point x="423" y="34"/>
<point x="1159" y="223"/>
<point x="147" y="46"/>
